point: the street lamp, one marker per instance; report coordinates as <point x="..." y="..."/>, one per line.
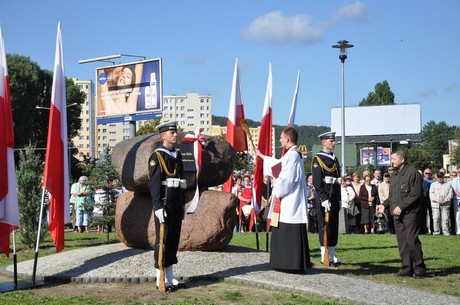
<point x="343" y="45"/>
<point x="41" y="107"/>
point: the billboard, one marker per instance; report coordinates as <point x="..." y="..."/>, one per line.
<point x="367" y="156"/>
<point x="377" y="120"/>
<point x="130" y="88"/>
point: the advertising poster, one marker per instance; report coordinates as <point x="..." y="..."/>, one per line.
<point x="129" y="88"/>
<point x="367" y="155"/>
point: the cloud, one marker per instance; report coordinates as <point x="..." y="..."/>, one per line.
<point x="276" y="29"/>
<point x="357" y="11"/>
<point x="193" y="59"/>
<point x="452" y="88"/>
<point x="427" y="93"/>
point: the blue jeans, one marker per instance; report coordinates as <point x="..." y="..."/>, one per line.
<point x="82" y="218"/>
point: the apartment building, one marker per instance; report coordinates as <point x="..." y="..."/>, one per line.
<point x="85" y="141"/>
<point x="190" y="110"/>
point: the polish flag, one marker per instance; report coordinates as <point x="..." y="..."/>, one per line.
<point x="9" y="212"/>
<point x="265" y="143"/>
<point x="56" y="175"/>
<point x="235" y="132"/>
<point x="293" y="108"/>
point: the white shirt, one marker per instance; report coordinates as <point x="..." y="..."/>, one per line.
<point x="291" y="187"/>
<point x="440" y="191"/>
<point x="347" y="194"/>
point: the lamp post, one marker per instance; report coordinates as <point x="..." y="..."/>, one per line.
<point x="343" y="45"/>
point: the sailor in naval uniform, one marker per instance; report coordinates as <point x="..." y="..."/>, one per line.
<point x="166" y="185"/>
<point x="326" y="172"/>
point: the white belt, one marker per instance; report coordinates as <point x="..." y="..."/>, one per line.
<point x="175" y="183"/>
<point x="332" y="180"/>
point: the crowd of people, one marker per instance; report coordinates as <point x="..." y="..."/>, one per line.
<point x="360" y="195"/>
<point x="88" y="203"/>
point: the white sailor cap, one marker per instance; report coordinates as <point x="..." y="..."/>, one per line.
<point x="327" y="135"/>
<point x="167" y="126"/>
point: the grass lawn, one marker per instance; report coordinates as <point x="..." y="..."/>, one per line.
<point x="371" y="257"/>
<point x="376" y="257"/>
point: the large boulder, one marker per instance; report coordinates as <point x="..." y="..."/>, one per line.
<point x="209" y="228"/>
<point x="130" y="159"/>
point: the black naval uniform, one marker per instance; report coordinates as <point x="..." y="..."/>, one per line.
<point x="327" y="165"/>
<point x="174" y="206"/>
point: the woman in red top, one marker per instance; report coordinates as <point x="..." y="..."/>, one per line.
<point x="245" y="196"/>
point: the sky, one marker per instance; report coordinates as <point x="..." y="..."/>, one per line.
<point x="412" y="44"/>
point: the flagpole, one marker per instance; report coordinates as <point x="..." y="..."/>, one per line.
<point x="38" y="237"/>
<point x="255" y="216"/>
<point x="15" y="261"/>
<point x="267" y="229"/>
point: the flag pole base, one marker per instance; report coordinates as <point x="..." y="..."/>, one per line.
<point x="23" y="284"/>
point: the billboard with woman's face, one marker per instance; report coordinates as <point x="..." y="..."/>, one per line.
<point x="129" y="88"/>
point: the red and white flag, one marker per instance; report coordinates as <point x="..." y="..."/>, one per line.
<point x="291" y="119"/>
<point x="56" y="175"/>
<point x="235" y="132"/>
<point x="265" y="142"/>
<point x="198" y="143"/>
<point x="9" y="212"/>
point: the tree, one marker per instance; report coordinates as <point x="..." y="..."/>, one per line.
<point x="419" y="158"/>
<point x="29" y="175"/>
<point x="381" y="96"/>
<point x="435" y="137"/>
<point x="101" y="178"/>
<point x="243" y="162"/>
<point x="149" y="127"/>
<point x="455" y="157"/>
<point x="30" y="87"/>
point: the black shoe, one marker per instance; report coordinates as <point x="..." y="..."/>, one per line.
<point x="403" y="273"/>
<point x="419" y="275"/>
<point x="170" y="288"/>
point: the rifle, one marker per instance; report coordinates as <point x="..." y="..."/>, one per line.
<point x="326" y="248"/>
<point x="161" y="285"/>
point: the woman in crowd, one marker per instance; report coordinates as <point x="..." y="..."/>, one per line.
<point x="368" y="196"/>
<point x="245" y="196"/>
<point x="311" y="205"/>
<point x="348" y="200"/>
<point x="236" y="189"/>
<point x="356" y="185"/>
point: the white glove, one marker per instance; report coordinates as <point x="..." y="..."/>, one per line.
<point x="326" y="205"/>
<point x="160" y="214"/>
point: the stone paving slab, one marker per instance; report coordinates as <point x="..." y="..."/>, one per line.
<point x="118" y="263"/>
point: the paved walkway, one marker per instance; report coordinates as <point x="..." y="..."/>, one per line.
<point x="118" y="263"/>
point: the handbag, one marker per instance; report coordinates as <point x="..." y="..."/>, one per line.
<point x="353" y="209"/>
